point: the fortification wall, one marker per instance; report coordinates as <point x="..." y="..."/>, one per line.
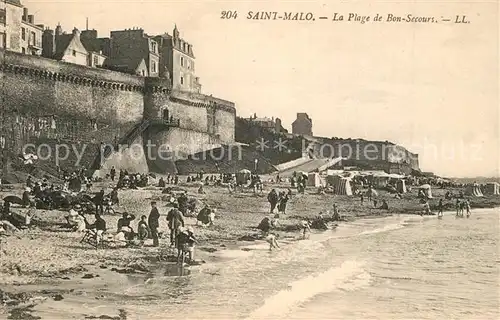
<point x="44" y="98"/>
<point x="41" y="87"/>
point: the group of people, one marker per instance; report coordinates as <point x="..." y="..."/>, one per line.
<point x="279" y="200"/>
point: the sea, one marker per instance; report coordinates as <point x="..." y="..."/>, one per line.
<point x="398" y="267"/>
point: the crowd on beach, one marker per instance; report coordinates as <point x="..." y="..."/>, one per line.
<point x="75" y="196"/>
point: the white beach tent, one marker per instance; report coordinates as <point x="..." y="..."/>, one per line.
<point x="314" y="180"/>
<point x="492" y="188"/>
<point x="473" y="190"/>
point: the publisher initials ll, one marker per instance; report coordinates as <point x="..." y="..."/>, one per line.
<point x="461" y="19"/>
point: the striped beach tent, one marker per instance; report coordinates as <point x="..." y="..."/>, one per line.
<point x="340" y="185"/>
<point x="473" y="190"/>
<point x="492" y="189"/>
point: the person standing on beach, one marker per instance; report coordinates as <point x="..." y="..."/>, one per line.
<point x="467" y="207"/>
<point x="272" y="197"/>
<point x="362" y="198"/>
<point x="457" y="207"/>
<point x="154" y="224"/>
<point x="112" y="173"/>
<point x="440" y="208"/>
<point x="175" y="221"/>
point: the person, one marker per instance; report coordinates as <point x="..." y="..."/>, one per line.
<point x="265" y="225"/>
<point x="384" y="205"/>
<point x="175" y="221"/>
<point x="143" y="229"/>
<point x="113" y="196"/>
<point x="99" y="226"/>
<point x="201" y="190"/>
<point x="112" y="173"/>
<point x="457" y="207"/>
<point x="75" y="220"/>
<point x="99" y="202"/>
<point x="362" y="198"/>
<point x="154" y="224"/>
<point x="467" y="207"/>
<point x="306" y="228"/>
<point x="182" y="200"/>
<point x="206" y="216"/>
<point x="161" y="182"/>
<point x="26" y="197"/>
<point x="271" y="239"/>
<point x="185" y="243"/>
<point x="336" y="215"/>
<point x="272" y="197"/>
<point x="123" y="225"/>
<point x="283" y="199"/>
<point x="440" y="208"/>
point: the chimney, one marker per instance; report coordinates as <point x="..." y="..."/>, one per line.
<point x="25" y="14"/>
<point x="31" y="19"/>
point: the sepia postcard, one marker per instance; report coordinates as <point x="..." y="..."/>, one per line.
<point x="206" y="159"/>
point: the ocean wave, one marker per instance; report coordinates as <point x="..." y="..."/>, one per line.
<point x="350" y="275"/>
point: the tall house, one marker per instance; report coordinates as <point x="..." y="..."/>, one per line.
<point x="302" y="125"/>
<point x="177" y="61"/>
<point x="18" y="31"/>
<point x="64" y="47"/>
<point x="31" y="34"/>
<point x="133" y="47"/>
<point x="98" y="48"/>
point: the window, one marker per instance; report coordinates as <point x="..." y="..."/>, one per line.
<point x="23" y="33"/>
<point x="182" y="61"/>
<point x="74" y="53"/>
<point x="33" y="38"/>
<point x="23" y="50"/>
<point x="3" y="44"/>
<point x="182" y="80"/>
<point x="3" y="15"/>
<point x="153" y="66"/>
<point x="96" y="61"/>
<point x="189" y="64"/>
<point x="153" y="46"/>
<point x="192" y="65"/>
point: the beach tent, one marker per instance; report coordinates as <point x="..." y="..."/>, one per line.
<point x="492" y="188"/>
<point x="340" y="185"/>
<point x="380" y="180"/>
<point x="314" y="180"/>
<point x="401" y="186"/>
<point x="427" y="190"/>
<point x="473" y="190"/>
<point x="243" y="176"/>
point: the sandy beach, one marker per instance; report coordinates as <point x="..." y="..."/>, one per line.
<point x="47" y="261"/>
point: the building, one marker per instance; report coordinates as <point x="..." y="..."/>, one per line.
<point x="31" y="34"/>
<point x="64" y="47"/>
<point x="302" y="125"/>
<point x="97" y="48"/>
<point x="271" y="124"/>
<point x="18" y="31"/>
<point x="129" y="48"/>
<point x="177" y="62"/>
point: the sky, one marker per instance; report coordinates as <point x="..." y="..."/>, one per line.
<point x="433" y="88"/>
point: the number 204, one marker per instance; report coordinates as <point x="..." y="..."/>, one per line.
<point x="228" y="15"/>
